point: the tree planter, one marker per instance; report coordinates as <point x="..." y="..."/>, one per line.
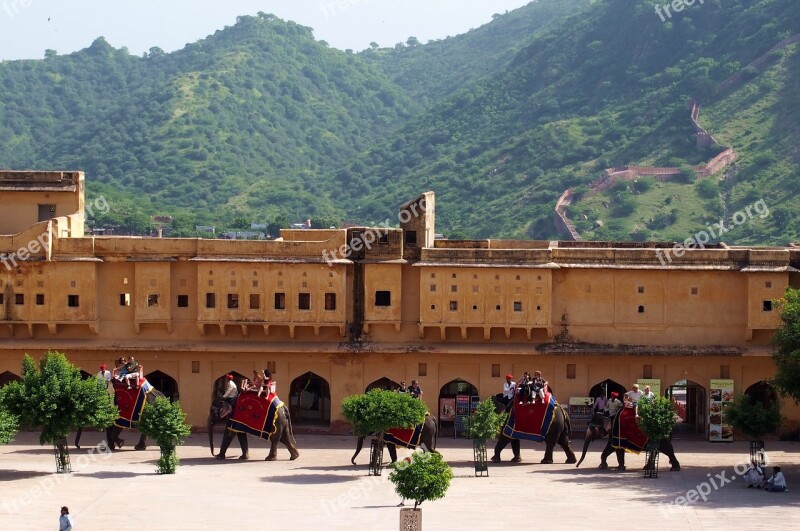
<point x="479" y="452"/>
<point x="410" y="519"/>
<point x="757" y="453"/>
<point x="376" y="457"/>
<point x="61" y="452"/>
<point x="651" y="459"/>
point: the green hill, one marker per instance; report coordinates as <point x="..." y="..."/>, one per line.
<point x="260" y="122"/>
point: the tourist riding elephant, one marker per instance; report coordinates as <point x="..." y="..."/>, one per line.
<point x="130" y="405"/>
<point x="263" y="416"/>
<point x="557" y="433"/>
<point x="427" y="437"/>
<point x="614" y="444"/>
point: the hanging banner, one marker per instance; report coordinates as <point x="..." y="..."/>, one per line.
<point x="654" y="383"/>
<point x="721" y="394"/>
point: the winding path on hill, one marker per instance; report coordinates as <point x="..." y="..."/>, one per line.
<point x="610" y="176"/>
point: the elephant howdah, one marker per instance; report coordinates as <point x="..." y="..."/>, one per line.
<point x="130" y="403"/>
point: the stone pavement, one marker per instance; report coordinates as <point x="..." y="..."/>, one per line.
<point x="322" y="491"/>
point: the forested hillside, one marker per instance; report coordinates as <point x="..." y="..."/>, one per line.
<point x="260" y="122"/>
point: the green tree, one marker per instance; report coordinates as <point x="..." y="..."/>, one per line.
<point x="423" y="477"/>
<point x="787" y="339"/>
<point x="485" y="423"/>
<point x="379" y="410"/>
<point x="751" y="417"/>
<point x="656" y="418"/>
<point x="54" y="398"/>
<point x="8" y="426"/>
<point x="165" y="422"/>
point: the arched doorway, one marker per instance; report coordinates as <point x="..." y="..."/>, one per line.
<point x="8" y="377"/>
<point x="310" y="400"/>
<point x="691" y="406"/>
<point x="383" y="383"/>
<point x="762" y="393"/>
<point x="164" y="383"/>
<point x="605" y="388"/>
<point x="457" y="399"/>
<point x="85" y="375"/>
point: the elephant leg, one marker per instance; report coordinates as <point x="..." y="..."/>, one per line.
<point x="620" y="459"/>
<point x="392" y="452"/>
<point x="563" y="441"/>
<point x="244" y="445"/>
<point x="547" y="459"/>
<point x="667" y="449"/>
<point x="273" y="446"/>
<point x="227" y="436"/>
<point x="502" y="442"/>
<point x="359" y="445"/>
<point x="78" y="438"/>
<point x="112" y="437"/>
<point x="142" y="444"/>
<point x="288" y="441"/>
<point x="515" y="449"/>
<point x="607" y="451"/>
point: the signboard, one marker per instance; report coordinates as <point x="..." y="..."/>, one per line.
<point x="721" y="394"/>
<point x="654" y="383"/>
<point x="447" y="409"/>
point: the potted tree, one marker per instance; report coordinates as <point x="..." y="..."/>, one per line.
<point x="377" y="411"/>
<point x="485" y="423"/>
<point x="656" y="420"/>
<point x="165" y="422"/>
<point x="754" y="420"/>
<point x="421" y="477"/>
<point x="55" y="398"/>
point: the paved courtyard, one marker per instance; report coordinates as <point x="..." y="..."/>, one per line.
<point x="321" y="490"/>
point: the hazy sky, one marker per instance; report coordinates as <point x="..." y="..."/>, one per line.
<point x="28" y="27"/>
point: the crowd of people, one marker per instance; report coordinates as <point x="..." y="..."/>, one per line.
<point x="126" y="370"/>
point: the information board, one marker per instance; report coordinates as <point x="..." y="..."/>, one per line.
<point x="721" y="392"/>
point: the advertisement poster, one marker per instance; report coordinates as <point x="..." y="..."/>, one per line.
<point x="654" y="383"/>
<point x="447" y="409"/>
<point x="721" y="394"/>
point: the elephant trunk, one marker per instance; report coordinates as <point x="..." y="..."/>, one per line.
<point x="587" y="441"/>
<point x="359" y="445"/>
<point x="211" y="433"/>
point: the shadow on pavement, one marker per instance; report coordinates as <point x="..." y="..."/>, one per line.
<point x="312" y="479"/>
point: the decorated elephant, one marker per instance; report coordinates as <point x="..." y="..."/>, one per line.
<point x="625" y="436"/>
<point x="264" y="416"/>
<point x="130" y="403"/>
<point x="425" y="434"/>
<point x="541" y="421"/>
<point x="220" y="411"/>
<point x="598" y="428"/>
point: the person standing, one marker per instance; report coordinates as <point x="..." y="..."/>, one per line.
<point x="614" y="404"/>
<point x="231" y="391"/>
<point x="600" y="403"/>
<point x="65" y="520"/>
<point x="648" y="394"/>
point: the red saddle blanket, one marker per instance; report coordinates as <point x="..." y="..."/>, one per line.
<point x="625" y="433"/>
<point x="255" y="415"/>
<point x="130" y="402"/>
<point x="531" y="421"/>
<point x="405" y="437"/>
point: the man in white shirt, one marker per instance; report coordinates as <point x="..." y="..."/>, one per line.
<point x="634" y="394"/>
<point x="509" y="389"/>
<point x="777" y="483"/>
<point x="648" y="394"/>
<point x="614" y="404"/>
<point x="231" y="392"/>
<point x="104" y="379"/>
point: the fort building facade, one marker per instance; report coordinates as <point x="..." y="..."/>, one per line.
<point x="334" y="312"/>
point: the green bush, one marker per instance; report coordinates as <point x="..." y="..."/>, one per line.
<point x="752" y="418"/>
<point x="8" y="426"/>
<point x="165" y="422"/>
<point x="656" y="418"/>
<point x="707" y="188"/>
<point x="423" y="477"/>
<point x="379" y="410"/>
<point x="485" y="423"/>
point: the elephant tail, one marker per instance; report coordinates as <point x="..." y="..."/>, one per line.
<point x="435" y="433"/>
<point x="289" y="422"/>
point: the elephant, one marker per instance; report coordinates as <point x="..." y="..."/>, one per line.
<point x="429" y="438"/>
<point x="598" y="428"/>
<point x="558" y="432"/>
<point x="113" y="431"/>
<point x="219" y="411"/>
<point x="665" y="447"/>
<point x="283" y="431"/>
